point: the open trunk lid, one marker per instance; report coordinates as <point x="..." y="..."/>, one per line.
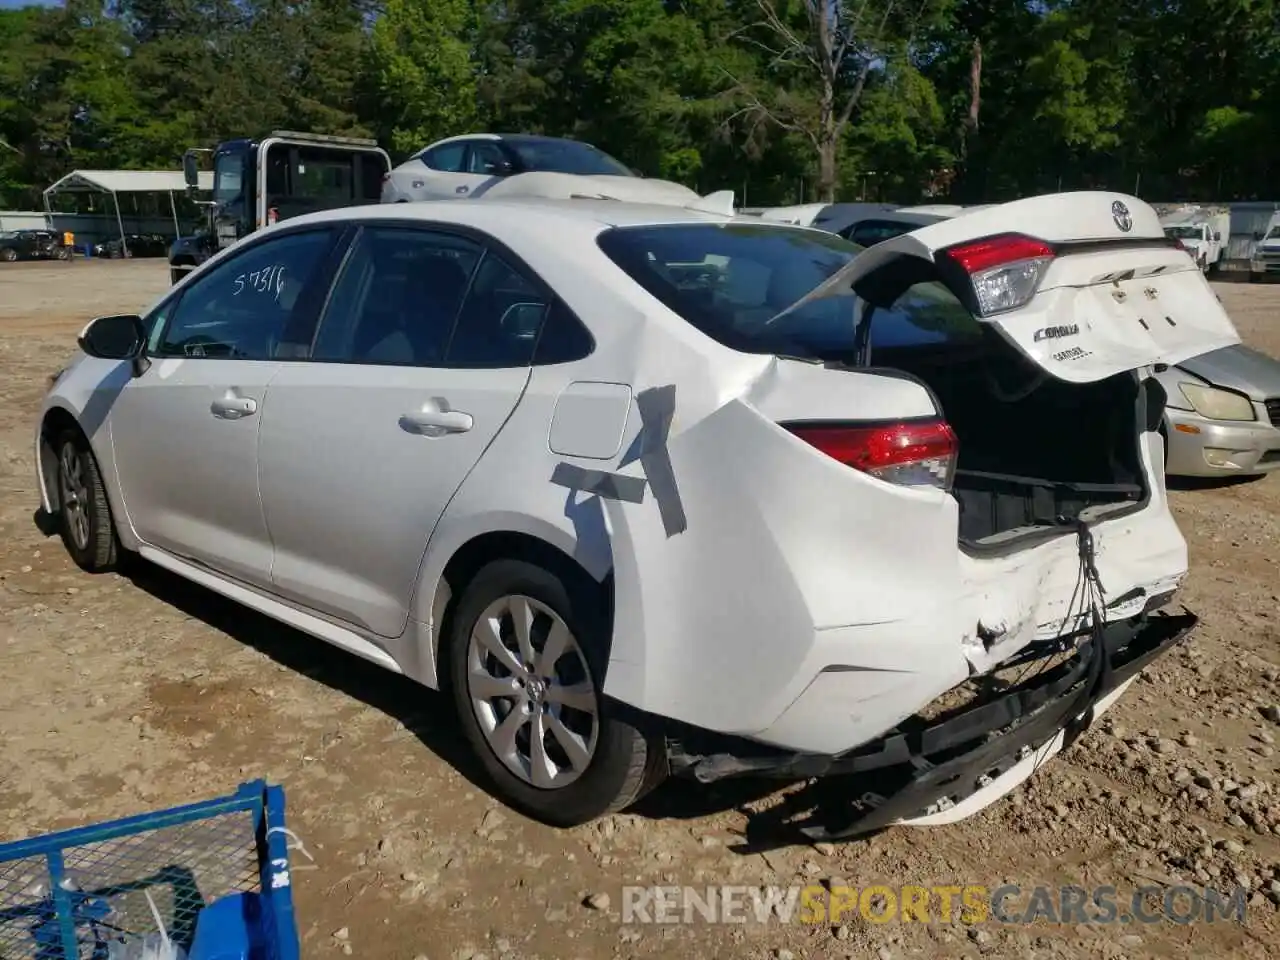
<point x="1085" y="285"/>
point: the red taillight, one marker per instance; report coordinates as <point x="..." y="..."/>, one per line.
<point x="998" y="251"/>
<point x="1004" y="271"/>
<point x="911" y="452"/>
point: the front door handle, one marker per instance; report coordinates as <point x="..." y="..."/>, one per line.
<point x="232" y="407"/>
<point x="436" y="423"/>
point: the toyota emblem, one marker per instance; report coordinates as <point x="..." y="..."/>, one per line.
<point x="1120" y="214"/>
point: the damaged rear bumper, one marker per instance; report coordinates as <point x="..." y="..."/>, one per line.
<point x="961" y="761"/>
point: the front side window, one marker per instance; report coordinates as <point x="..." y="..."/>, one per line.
<point x="733" y="281"/>
<point x="567" y="156"/>
<point x="447" y="158"/>
<point x="242" y="309"/>
<point x="397" y="298"/>
<point x="228" y="177"/>
<point x="1273" y="233"/>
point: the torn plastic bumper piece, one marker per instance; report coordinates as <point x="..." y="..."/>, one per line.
<point x="923" y="766"/>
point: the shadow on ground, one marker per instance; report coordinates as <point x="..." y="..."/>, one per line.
<point x="1210" y="483"/>
<point x="429" y="715"/>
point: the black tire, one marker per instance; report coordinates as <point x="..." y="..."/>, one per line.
<point x="93" y="545"/>
<point x="8" y="254"/>
<point x="624" y="765"/>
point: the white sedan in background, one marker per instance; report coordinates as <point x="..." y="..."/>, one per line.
<point x="679" y="492"/>
<point x="467" y="166"/>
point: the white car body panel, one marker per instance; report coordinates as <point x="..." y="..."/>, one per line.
<point x="760" y="587"/>
<point x="1124" y="309"/>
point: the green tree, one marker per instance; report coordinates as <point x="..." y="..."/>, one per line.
<point x="424" y="71"/>
<point x="817" y="58"/>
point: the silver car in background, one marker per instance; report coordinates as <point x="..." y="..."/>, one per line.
<point x="1223" y="414"/>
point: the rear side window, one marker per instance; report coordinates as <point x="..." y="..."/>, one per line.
<point x="734" y="280"/>
<point x="397" y="298"/>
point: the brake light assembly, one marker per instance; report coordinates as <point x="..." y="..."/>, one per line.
<point x="911" y="453"/>
<point x="1004" y="272"/>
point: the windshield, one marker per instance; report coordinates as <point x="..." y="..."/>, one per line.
<point x="1184" y="233"/>
<point x="731" y="280"/>
<point x="228" y="171"/>
<point x="567" y="156"/>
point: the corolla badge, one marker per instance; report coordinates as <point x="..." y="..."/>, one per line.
<point x="1120" y="214"/>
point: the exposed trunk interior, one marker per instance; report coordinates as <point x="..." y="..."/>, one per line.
<point x="1034" y="451"/>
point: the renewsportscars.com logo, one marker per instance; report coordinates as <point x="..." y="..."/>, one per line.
<point x="970" y="904"/>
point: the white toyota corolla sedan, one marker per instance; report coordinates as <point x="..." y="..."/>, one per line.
<point x="651" y="490"/>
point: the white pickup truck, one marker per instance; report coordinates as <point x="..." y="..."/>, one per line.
<point x="1203" y="232"/>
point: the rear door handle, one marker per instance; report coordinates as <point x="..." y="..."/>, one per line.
<point x="437" y="423"/>
<point x="232" y="407"/>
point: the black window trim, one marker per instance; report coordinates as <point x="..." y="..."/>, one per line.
<point x="310" y="316"/>
<point x="487" y="243"/>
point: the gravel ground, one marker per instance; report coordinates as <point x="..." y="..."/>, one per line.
<point x="122" y="695"/>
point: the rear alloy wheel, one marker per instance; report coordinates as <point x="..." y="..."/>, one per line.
<point x="8" y="254"/>
<point x="525" y="666"/>
<point x="84" y="513"/>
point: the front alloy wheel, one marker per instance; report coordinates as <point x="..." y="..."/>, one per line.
<point x="74" y="496"/>
<point x="83" y="511"/>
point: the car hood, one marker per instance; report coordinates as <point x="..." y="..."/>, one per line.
<point x="1239" y="368"/>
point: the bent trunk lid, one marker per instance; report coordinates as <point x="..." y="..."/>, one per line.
<point x="1117" y="296"/>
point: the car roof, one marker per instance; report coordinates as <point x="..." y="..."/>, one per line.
<point x="511" y="137"/>
<point x="477" y="211"/>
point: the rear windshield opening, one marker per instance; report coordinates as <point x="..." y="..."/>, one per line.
<point x="733" y="282"/>
<point x="1025" y="464"/>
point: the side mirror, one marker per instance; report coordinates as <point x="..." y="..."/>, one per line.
<point x="1257" y="235"/>
<point x="504" y="168"/>
<point x="523" y="320"/>
<point x="116" y="337"/>
<point x="191" y="171"/>
<point x="1217" y="236"/>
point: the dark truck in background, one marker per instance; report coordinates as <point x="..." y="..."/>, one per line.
<point x="257" y="182"/>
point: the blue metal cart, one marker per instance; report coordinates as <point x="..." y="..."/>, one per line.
<point x="213" y="876"/>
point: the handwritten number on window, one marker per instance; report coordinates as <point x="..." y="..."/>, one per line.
<point x="267" y="280"/>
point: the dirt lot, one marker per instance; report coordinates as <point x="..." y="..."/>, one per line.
<point x="122" y="695"/>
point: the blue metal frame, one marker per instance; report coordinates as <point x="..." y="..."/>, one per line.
<point x="265" y="803"/>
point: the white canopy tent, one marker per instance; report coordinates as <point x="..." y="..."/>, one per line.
<point x="116" y="182"/>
